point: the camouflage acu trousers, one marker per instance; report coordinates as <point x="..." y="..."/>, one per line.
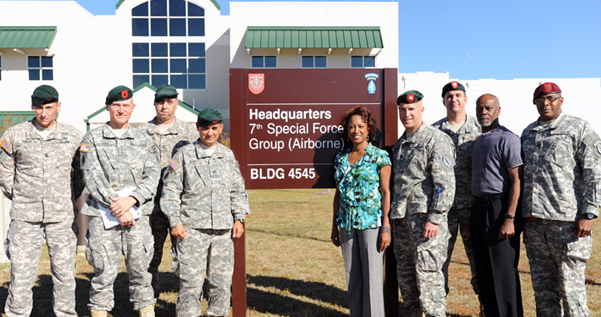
<point x="204" y="252"/>
<point x="160" y="230"/>
<point x="557" y="263"/>
<point x="459" y="220"/>
<point x="419" y="264"/>
<point x="24" y="247"/>
<point x="103" y="251"/>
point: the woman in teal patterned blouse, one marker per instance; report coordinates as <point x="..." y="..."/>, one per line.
<point x="361" y="205"/>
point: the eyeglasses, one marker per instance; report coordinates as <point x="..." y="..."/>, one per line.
<point x="550" y="99"/>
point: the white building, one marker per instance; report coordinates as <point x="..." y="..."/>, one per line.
<point x="185" y="43"/>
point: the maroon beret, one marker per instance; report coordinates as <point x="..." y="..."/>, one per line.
<point x="545" y="89"/>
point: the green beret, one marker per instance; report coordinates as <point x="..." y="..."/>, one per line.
<point x="208" y="116"/>
<point x="454" y="85"/>
<point x="165" y="91"/>
<point x="411" y="96"/>
<point x="117" y="94"/>
<point x="44" y="94"/>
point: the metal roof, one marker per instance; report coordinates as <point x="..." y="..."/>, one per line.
<point x="27" y="36"/>
<point x="10" y="118"/>
<point x="313" y="37"/>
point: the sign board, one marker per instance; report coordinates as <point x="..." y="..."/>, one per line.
<point x="286" y="123"/>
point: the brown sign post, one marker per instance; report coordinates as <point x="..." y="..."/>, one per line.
<point x="285" y="131"/>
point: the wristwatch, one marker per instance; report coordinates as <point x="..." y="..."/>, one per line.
<point x="508" y="216"/>
<point x="242" y="220"/>
<point x="589" y="216"/>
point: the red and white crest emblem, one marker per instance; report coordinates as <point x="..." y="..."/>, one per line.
<point x="454" y="85"/>
<point x="410" y="97"/>
<point x="256" y="83"/>
<point x="547" y="87"/>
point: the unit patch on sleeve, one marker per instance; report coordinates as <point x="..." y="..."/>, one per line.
<point x="85" y="148"/>
<point x="6" y="145"/>
<point x="173" y="165"/>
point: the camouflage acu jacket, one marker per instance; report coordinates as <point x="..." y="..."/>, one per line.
<point x="562" y="169"/>
<point x="42" y="177"/>
<point x="463" y="141"/>
<point x="424" y="180"/>
<point x="112" y="163"/>
<point x="179" y="134"/>
<point x="204" y="192"/>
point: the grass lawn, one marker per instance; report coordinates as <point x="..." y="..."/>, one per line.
<point x="292" y="267"/>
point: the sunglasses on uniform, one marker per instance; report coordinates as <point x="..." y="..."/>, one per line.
<point x="549" y="99"/>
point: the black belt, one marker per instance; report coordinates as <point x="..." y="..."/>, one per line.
<point x="489" y="198"/>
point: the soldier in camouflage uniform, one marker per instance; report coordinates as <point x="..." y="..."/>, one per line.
<point x="205" y="201"/>
<point x="424" y="188"/>
<point x="39" y="172"/>
<point x="117" y="157"/>
<point x="463" y="130"/>
<point x="169" y="134"/>
<point x="560" y="200"/>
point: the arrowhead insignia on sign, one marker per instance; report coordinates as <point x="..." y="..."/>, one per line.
<point x="256" y="83"/>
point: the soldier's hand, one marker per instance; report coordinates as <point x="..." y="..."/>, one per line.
<point x="583" y="228"/>
<point x="121" y="205"/>
<point x="335" y="236"/>
<point x="127" y="219"/>
<point x="238" y="229"/>
<point x="179" y="232"/>
<point x="430" y="230"/>
<point x="507" y="229"/>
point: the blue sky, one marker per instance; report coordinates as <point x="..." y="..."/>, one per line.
<point x="475" y="39"/>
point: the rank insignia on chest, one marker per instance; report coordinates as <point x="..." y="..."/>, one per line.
<point x="173" y="165"/>
<point x="85" y="148"/>
<point x="6" y="145"/>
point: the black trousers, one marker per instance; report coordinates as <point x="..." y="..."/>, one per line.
<point x="496" y="260"/>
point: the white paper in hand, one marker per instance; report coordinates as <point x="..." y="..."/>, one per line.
<point x="111" y="221"/>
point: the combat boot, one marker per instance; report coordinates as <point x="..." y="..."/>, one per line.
<point x="98" y="313"/>
<point x="147" y="311"/>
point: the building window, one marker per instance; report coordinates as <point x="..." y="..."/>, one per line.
<point x="168" y="18"/>
<point x="163" y="60"/>
<point x="182" y="65"/>
<point x="314" y="62"/>
<point x="40" y="67"/>
<point x="363" y="61"/>
<point x="264" y="62"/>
